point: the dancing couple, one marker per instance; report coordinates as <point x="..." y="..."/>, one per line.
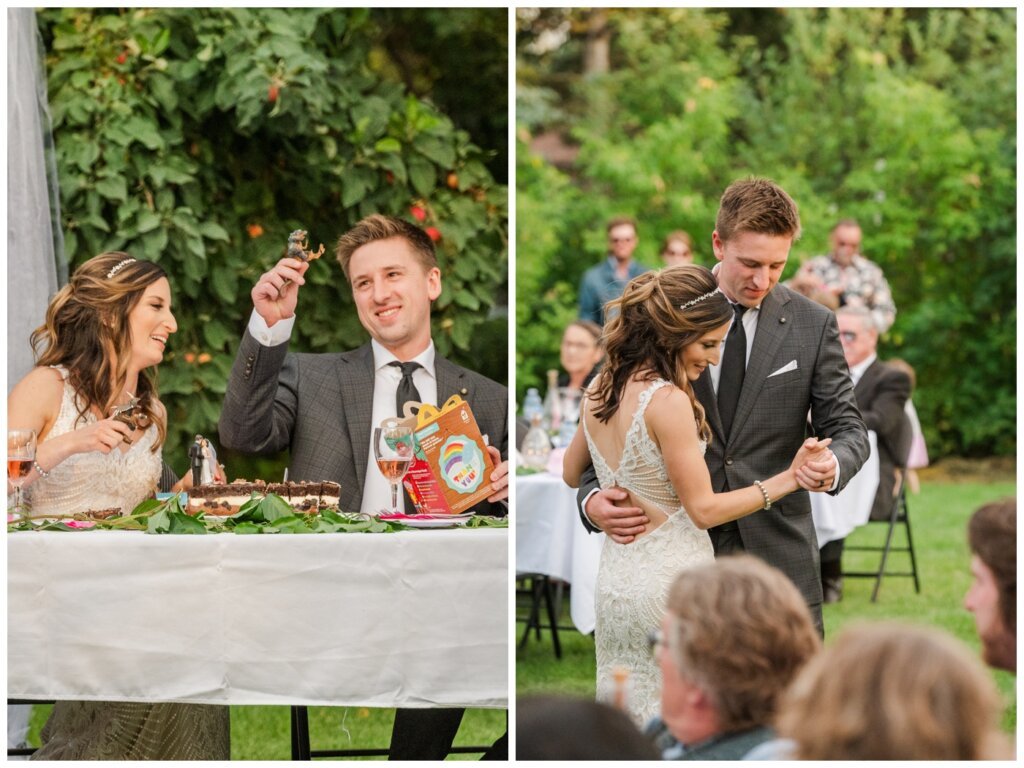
<point x="696" y="428"/>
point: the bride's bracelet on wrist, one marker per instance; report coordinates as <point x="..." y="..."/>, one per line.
<point x="767" y="498"/>
<point x="42" y="472"/>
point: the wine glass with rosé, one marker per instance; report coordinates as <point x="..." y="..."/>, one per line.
<point x="393" y="451"/>
<point x="21" y="452"/>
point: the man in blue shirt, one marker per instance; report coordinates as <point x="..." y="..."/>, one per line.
<point x="606" y="281"/>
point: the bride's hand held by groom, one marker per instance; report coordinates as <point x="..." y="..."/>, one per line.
<point x="815" y="466"/>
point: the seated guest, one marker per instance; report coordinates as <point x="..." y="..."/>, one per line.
<point x="564" y="728"/>
<point x="881" y="391"/>
<point x="580" y="354"/>
<point x="677" y="249"/>
<point x="322" y="407"/>
<point x="735" y="634"/>
<point x="104" y="334"/>
<point x="992" y="598"/>
<point x="889" y="691"/>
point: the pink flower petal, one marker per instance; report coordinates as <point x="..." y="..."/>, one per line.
<point x="80" y="523"/>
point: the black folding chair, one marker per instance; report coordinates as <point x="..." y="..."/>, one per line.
<point x="899" y="515"/>
<point x="542" y="592"/>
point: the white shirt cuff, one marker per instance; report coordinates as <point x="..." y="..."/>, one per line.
<point x="270" y="337"/>
<point x="835" y="482"/>
<point x="583" y="507"/>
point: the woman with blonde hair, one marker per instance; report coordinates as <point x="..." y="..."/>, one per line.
<point x="644" y="431"/>
<point x="102" y="332"/>
<point x="890" y="691"/>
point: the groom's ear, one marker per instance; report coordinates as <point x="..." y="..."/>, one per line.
<point x="717" y="246"/>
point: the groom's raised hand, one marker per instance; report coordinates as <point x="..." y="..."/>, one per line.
<point x="610" y="511"/>
<point x="276" y="293"/>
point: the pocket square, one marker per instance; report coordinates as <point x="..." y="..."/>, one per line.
<point x="790" y="366"/>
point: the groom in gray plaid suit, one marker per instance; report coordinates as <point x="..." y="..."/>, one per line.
<point x="781" y="360"/>
<point x="322" y="407"/>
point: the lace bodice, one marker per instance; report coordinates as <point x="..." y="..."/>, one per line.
<point x="641" y="469"/>
<point x="93" y="480"/>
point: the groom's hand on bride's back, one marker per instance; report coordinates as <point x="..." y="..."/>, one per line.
<point x="610" y="511"/>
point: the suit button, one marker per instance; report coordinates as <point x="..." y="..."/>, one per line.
<point x="728" y="461"/>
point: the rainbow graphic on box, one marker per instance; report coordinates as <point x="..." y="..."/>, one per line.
<point x="462" y="464"/>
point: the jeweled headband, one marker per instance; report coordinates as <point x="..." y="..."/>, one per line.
<point x="119" y="266"/>
<point x="699" y="299"/>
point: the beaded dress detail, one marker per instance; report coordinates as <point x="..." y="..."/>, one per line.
<point x="633" y="579"/>
<point x="93" y="480"/>
<point x="110" y="730"/>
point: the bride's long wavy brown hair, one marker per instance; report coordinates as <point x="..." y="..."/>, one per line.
<point x="648" y="330"/>
<point x="87" y="331"/>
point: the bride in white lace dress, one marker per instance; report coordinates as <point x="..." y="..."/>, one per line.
<point x="645" y="432"/>
<point x="102" y="330"/>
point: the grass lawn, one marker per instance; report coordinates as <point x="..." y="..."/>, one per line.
<point x="938" y="518"/>
<point x="263" y="733"/>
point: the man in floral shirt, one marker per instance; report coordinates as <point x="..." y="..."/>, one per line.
<point x="847" y="275"/>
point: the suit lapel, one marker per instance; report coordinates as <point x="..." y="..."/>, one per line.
<point x="450" y="380"/>
<point x="355" y="372"/>
<point x="772" y="326"/>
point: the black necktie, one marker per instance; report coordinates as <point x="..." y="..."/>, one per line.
<point x="734" y="364"/>
<point x="406" y="388"/>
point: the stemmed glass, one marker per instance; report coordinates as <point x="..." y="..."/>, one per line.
<point x="21" y="452"/>
<point x="393" y="451"/>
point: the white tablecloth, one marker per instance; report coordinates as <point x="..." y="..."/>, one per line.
<point x="411" y="619"/>
<point x="835" y="517"/>
<point x="550" y="539"/>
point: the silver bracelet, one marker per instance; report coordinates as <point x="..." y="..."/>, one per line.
<point x="42" y="472"/>
<point x="767" y="499"/>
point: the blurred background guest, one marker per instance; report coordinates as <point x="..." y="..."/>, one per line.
<point x="566" y="728"/>
<point x="918" y="458"/>
<point x="846" y="274"/>
<point x="677" y="249"/>
<point x="881" y="392"/>
<point x="606" y="281"/>
<point x="580" y="354"/>
<point x="890" y="691"/>
<point x="992" y="598"/>
<point x="734" y="636"/>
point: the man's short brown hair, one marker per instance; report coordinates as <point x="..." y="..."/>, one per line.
<point x="757" y="205"/>
<point x="379" y="227"/>
<point x="619" y="221"/>
<point x="741" y="632"/>
<point x="992" y="535"/>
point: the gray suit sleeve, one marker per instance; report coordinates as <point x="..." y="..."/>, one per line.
<point x="588" y="483"/>
<point x="834" y="411"/>
<point x="261" y="401"/>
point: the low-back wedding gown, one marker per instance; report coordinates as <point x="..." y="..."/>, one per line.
<point x="633" y="579"/>
<point x="108" y="730"/>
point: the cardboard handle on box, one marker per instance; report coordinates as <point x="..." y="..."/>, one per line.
<point x="430" y="412"/>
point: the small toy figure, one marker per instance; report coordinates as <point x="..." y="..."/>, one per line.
<point x="298" y="248"/>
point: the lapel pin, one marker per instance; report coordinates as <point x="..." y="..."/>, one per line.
<point x="782" y="320"/>
<point x="463" y="391"/>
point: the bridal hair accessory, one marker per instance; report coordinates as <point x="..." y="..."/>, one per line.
<point x="699" y="299"/>
<point x="118" y="267"/>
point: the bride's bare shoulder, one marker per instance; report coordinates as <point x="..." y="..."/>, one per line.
<point x="670" y="406"/>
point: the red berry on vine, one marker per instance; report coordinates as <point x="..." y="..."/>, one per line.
<point x="417" y="213"/>
<point x="122" y="58"/>
<point x="272" y="92"/>
<point x="433" y="233"/>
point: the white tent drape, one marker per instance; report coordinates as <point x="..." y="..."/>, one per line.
<point x="35" y="259"/>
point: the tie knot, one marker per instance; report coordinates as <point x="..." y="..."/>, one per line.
<point x="739" y="309"/>
<point x="407" y="368"/>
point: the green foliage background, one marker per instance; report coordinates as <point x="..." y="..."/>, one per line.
<point x="200" y="137"/>
<point x="902" y="118"/>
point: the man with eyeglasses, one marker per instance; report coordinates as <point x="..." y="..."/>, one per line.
<point x="852" y="279"/>
<point x="734" y="636"/>
<point x="606" y="281"/>
<point x="881" y="391"/>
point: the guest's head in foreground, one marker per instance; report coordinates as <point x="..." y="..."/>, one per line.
<point x="677" y="249"/>
<point x="992" y="597"/>
<point x="109" y="324"/>
<point x="392" y="267"/>
<point x="563" y="728"/>
<point x="580" y="352"/>
<point x="667" y="324"/>
<point x="735" y="634"/>
<point x="756" y="225"/>
<point x="890" y="691"/>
